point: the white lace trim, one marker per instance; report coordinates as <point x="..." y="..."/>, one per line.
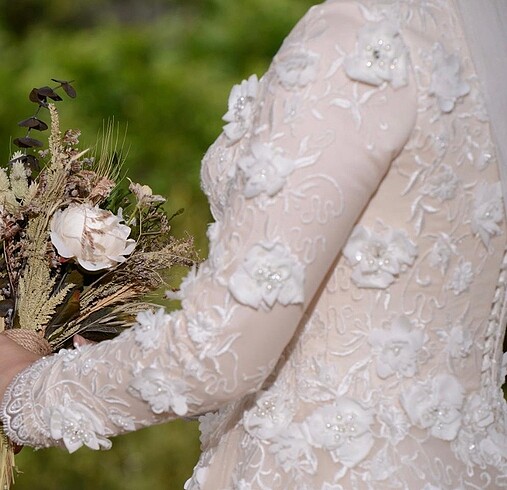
<point x="18" y="412"/>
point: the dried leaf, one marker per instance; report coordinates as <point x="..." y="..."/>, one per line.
<point x="40" y="95"/>
<point x="49" y="93"/>
<point x="33" y="123"/>
<point x="69" y="90"/>
<point x="27" y="142"/>
<point x="34" y="97"/>
<point x="67" y="87"/>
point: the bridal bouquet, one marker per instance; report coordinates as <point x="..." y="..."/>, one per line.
<point x="80" y="246"/>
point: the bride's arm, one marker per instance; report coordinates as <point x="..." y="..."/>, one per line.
<point x="308" y="148"/>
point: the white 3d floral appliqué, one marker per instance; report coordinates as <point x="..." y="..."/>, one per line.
<point x="435" y="405"/>
<point x="150" y="327"/>
<point x="241" y="109"/>
<point x="265" y="170"/>
<point x="163" y="394"/>
<point x="76" y="425"/>
<point x="446" y="83"/>
<point x="487" y="211"/>
<point x="343" y="429"/>
<point x="381" y="56"/>
<point x="268" y="417"/>
<point x="269" y="273"/>
<point x="377" y="259"/>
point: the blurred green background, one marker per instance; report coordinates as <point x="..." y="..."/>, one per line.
<point x="164" y="69"/>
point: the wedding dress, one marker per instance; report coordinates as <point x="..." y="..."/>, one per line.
<point x="346" y="330"/>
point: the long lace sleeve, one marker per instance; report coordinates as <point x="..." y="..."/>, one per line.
<point x="303" y="150"/>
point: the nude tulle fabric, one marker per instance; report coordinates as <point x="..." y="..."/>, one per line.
<point x="346" y="331"/>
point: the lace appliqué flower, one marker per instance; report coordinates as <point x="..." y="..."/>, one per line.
<point x="163" y="394"/>
<point x="446" y="84"/>
<point x="441" y="252"/>
<point x="443" y="185"/>
<point x="377" y="259"/>
<point x="292" y="451"/>
<point x="482" y="436"/>
<point x="265" y="170"/>
<point x="487" y="212"/>
<point x="76" y="425"/>
<point x="398" y="348"/>
<point x="435" y="405"/>
<point x="343" y="429"/>
<point x="297" y="69"/>
<point x="241" y="109"/>
<point x="462" y="277"/>
<point x="150" y="327"/>
<point x="201" y="329"/>
<point x="269" y="273"/>
<point x="394" y="423"/>
<point x="381" y="56"/>
<point x="458" y="341"/>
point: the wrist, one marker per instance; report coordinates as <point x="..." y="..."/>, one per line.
<point x="13" y="360"/>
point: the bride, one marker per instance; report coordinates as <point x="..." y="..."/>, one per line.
<point x="346" y="330"/>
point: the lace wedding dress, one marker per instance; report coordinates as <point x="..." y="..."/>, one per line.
<point x="346" y="330"/>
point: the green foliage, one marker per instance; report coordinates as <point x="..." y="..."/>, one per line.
<point x="167" y="80"/>
<point x="158" y="458"/>
<point x="163" y="70"/>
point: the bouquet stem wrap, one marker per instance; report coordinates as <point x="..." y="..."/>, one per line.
<point x="29" y="340"/>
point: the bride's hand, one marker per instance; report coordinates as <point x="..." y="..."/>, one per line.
<point x="13" y="359"/>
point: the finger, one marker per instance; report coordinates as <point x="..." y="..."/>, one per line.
<point x="80" y="341"/>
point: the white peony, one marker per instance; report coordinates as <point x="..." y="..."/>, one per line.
<point x="96" y="238"/>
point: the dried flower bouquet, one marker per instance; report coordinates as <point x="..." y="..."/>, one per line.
<point x="80" y="249"/>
